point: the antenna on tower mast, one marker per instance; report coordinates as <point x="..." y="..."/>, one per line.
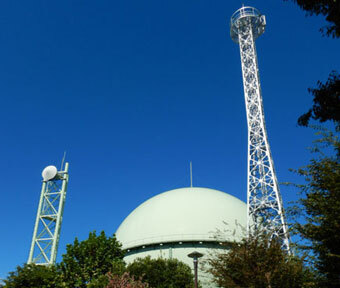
<point x="62" y="161"/>
<point x="264" y="204"/>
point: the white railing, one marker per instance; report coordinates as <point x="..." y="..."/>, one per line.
<point x="244" y="12"/>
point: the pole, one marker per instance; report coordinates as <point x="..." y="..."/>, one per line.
<point x="195" y="255"/>
<point x="195" y="269"/>
<point x="190" y="174"/>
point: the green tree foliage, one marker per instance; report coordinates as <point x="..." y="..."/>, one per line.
<point x="328" y="8"/>
<point x="162" y="273"/>
<point x="33" y="276"/>
<point x="320" y="209"/>
<point x="87" y="261"/>
<point x="125" y="281"/>
<point x="326" y="100"/>
<point x="85" y="264"/>
<point x="257" y="261"/>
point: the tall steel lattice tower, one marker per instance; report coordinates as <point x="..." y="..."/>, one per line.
<point x="264" y="204"/>
<point x="46" y="233"/>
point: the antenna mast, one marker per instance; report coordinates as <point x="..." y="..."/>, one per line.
<point x="47" y="226"/>
<point x="264" y="204"/>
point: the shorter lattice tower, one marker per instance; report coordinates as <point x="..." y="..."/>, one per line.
<point x="265" y="210"/>
<point x="47" y="226"/>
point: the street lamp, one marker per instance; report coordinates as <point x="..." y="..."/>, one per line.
<point x="195" y="255"/>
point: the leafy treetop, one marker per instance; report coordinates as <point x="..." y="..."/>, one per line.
<point x="319" y="207"/>
<point x="33" y="276"/>
<point x="162" y="273"/>
<point x="326" y="102"/>
<point x="90" y="259"/>
<point x="328" y="8"/>
<point x="257" y="262"/>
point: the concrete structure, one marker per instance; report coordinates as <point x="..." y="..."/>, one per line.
<point x="178" y="222"/>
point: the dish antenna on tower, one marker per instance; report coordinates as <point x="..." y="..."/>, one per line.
<point x="47" y="226"/>
<point x="49" y="173"/>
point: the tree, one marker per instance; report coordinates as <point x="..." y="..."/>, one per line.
<point x="33" y="276"/>
<point x="321" y="192"/>
<point x="85" y="264"/>
<point x="326" y="102"/>
<point x="328" y="8"/>
<point x="162" y="273"/>
<point x="327" y="97"/>
<point x="257" y="261"/>
<point x="90" y="260"/>
<point x="125" y="281"/>
<point x="320" y="211"/>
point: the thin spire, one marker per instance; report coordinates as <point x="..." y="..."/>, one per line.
<point x="190" y="174"/>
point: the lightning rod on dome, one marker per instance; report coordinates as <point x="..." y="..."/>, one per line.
<point x="190" y="174"/>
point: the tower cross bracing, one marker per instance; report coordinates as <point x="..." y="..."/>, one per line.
<point x="264" y="204"/>
<point x="47" y="226"/>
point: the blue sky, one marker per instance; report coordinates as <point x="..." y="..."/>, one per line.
<point x="134" y="91"/>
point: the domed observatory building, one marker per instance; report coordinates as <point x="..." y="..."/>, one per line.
<point x="175" y="223"/>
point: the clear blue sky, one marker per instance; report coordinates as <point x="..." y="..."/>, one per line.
<point x="133" y="91"/>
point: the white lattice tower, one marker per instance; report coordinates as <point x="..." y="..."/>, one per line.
<point x="47" y="226"/>
<point x="264" y="204"/>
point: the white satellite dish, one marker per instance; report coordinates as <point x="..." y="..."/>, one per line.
<point x="49" y="173"/>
